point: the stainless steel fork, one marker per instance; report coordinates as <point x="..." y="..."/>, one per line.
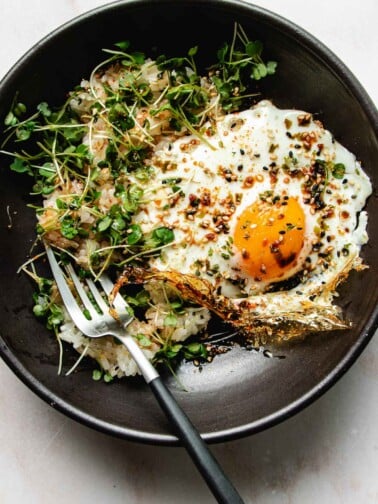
<point x="104" y="324"/>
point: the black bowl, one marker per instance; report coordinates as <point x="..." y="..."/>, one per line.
<point x="242" y="391"/>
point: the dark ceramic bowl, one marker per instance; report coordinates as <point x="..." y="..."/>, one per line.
<point x="241" y="392"/>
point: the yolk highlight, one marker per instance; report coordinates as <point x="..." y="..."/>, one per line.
<point x="270" y="237"/>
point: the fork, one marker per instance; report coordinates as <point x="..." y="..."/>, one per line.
<point x="104" y="324"/>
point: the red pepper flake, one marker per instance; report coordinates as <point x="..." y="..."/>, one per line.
<point x="329" y="213"/>
<point x="248" y="182"/>
<point x="211" y="236"/>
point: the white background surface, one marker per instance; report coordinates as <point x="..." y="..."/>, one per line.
<point x="325" y="454"/>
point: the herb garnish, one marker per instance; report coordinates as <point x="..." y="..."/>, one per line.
<point x="93" y="155"/>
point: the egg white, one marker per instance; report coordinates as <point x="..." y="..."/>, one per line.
<point x="213" y="174"/>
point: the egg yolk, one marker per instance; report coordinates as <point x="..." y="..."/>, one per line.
<point x="270" y="237"/>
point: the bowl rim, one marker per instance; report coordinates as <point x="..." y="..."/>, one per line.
<point x="340" y="70"/>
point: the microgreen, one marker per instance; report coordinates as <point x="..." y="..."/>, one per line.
<point x="237" y="61"/>
<point x="44" y="305"/>
<point x="103" y="136"/>
<point x="159" y="237"/>
<point x="172" y="352"/>
<point x="338" y="170"/>
<point x="141" y="299"/>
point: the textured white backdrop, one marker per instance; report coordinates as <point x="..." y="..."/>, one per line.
<point x="327" y="453"/>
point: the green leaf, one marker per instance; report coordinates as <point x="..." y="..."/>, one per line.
<point x="138" y="57"/>
<point x="193" y="51"/>
<point x="259" y="71"/>
<point x="56" y="317"/>
<point x="176" y="305"/>
<point x="82" y="150"/>
<point x="19" y="109"/>
<point x="20" y="166"/>
<point x="68" y="227"/>
<point x="23" y="134"/>
<point x="163" y="235"/>
<point x="222" y="53"/>
<point x="118" y="223"/>
<point x="271" y="67"/>
<point x="134" y="234"/>
<point x="123" y="45"/>
<point x="96" y="374"/>
<point x="130" y="199"/>
<point x="104" y="224"/>
<point x="73" y="134"/>
<point x="135" y="157"/>
<point x="172" y="351"/>
<point x="60" y="204"/>
<point x="338" y="170"/>
<point x="39" y="310"/>
<point x="10" y="119"/>
<point x="254" y="49"/>
<point x="143" y="340"/>
<point x="44" y="109"/>
<point x="195" y="350"/>
<point x="108" y="378"/>
<point x="47" y="170"/>
<point x="170" y="320"/>
<point x="141" y="299"/>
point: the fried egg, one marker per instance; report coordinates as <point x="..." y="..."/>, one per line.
<point x="265" y="205"/>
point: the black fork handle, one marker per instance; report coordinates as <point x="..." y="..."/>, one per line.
<point x="213" y="474"/>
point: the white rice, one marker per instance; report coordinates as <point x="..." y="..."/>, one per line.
<point x="114" y="358"/>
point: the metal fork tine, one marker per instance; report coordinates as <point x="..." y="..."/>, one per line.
<point x="81" y="291"/>
<point x="96" y="294"/>
<point x="118" y="302"/>
<point x="106" y="283"/>
<point x="67" y="296"/>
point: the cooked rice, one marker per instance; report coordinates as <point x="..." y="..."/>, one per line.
<point x="114" y="358"/>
